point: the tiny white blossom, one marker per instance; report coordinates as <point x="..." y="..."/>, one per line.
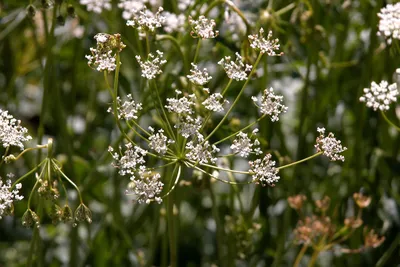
<point x="128" y="109"/>
<point x="329" y="145"/>
<point x="11" y="131"/>
<point x="102" y="61"/>
<point x="187" y="126"/>
<point x="271" y="104"/>
<point x="131" y="7"/>
<point x="145" y="20"/>
<point x="181" y="105"/>
<point x="199" y="77"/>
<point x="173" y="22"/>
<point x="266" y="46"/>
<point x="215" y="102"/>
<point x="263" y="171"/>
<point x="203" y="28"/>
<point x="201" y="151"/>
<point x="152" y="66"/>
<point x="8" y="196"/>
<point x="389" y="22"/>
<point x="147" y="187"/>
<point x="96" y="6"/>
<point x="242" y="145"/>
<point x="131" y="160"/>
<point x="158" y="141"/>
<point x="380" y="96"/>
<point x="236" y="70"/>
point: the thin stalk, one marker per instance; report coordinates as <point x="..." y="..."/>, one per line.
<point x="300" y="255"/>
<point x="237" y="98"/>
<point x="171" y="229"/>
<point x="389" y="121"/>
<point x="69" y="180"/>
<point x="175" y="183"/>
<point x="27" y="174"/>
<point x="313" y="258"/>
<point x="163" y="111"/>
<point x="299" y="161"/>
<point x="226" y="87"/>
<point x="285" y="9"/>
<point x="174" y="41"/>
<point x="196" y="54"/>
<point x="30" y="149"/>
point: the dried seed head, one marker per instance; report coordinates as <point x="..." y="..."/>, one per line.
<point x="83" y="213"/>
<point x="66" y="214"/>
<point x="323" y="204"/>
<point x="372" y="240"/>
<point x="296" y="202"/>
<point x="362" y="200"/>
<point x="353" y="222"/>
<point x="30" y="218"/>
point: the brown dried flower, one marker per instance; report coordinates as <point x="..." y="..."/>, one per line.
<point x="353" y="222"/>
<point x="372" y="240"/>
<point x="323" y="204"/>
<point x="296" y="202"/>
<point x="362" y="200"/>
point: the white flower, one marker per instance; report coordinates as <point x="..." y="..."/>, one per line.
<point x="236" y="70"/>
<point x="146" y="20"/>
<point x="215" y="102"/>
<point x="147" y="187"/>
<point x="329" y="145"/>
<point x="102" y="62"/>
<point x="131" y="7"/>
<point x="271" y="104"/>
<point x="128" y="109"/>
<point x="389" y="23"/>
<point x="181" y="105"/>
<point x="203" y="27"/>
<point x="197" y="76"/>
<point x="11" y="131"/>
<point x="266" y="46"/>
<point x="152" y="66"/>
<point x="242" y="145"/>
<point x="184" y="4"/>
<point x="201" y="151"/>
<point x="263" y="171"/>
<point x="159" y="141"/>
<point x="173" y="22"/>
<point x="8" y="196"/>
<point x="132" y="159"/>
<point x="380" y="96"/>
<point x="96" y="6"/>
<point x="187" y="126"/>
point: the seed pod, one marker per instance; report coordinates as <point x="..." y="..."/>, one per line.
<point x="31" y="11"/>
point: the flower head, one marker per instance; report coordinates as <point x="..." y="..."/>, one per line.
<point x="201" y="151"/>
<point x="131" y="160"/>
<point x="380" y="96"/>
<point x="266" y="46"/>
<point x="372" y="240"/>
<point x="329" y="145"/>
<point x="128" y="109"/>
<point x="181" y="105"/>
<point x="131" y="7"/>
<point x="263" y="171"/>
<point x="8" y="196"/>
<point x="147" y="187"/>
<point x="242" y="145"/>
<point x="296" y="201"/>
<point x="158" y="141"/>
<point x="199" y="77"/>
<point x="389" y="22"/>
<point x="203" y="28"/>
<point x="236" y="70"/>
<point x="103" y="57"/>
<point x="145" y="20"/>
<point x="152" y="66"/>
<point x="215" y="102"/>
<point x="11" y="131"/>
<point x="96" y="6"/>
<point x="188" y="126"/>
<point x="271" y="104"/>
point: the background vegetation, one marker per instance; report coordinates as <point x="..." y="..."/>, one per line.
<point x="331" y="51"/>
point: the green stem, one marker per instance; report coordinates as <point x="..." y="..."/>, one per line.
<point x="69" y="180"/>
<point x="174" y="41"/>
<point x="299" y="161"/>
<point x="313" y="258"/>
<point x="227" y="87"/>
<point x="175" y="183"/>
<point x="389" y="121"/>
<point x="237" y="98"/>
<point x="163" y="111"/>
<point x="27" y="174"/>
<point x="30" y="149"/>
<point x="196" y="54"/>
<point x="285" y="9"/>
<point x="300" y="255"/>
<point x="241" y="130"/>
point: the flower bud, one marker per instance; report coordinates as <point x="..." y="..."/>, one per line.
<point x="31" y="11"/>
<point x="296" y="202"/>
<point x="361" y="200"/>
<point x="30" y="218"/>
<point x="66" y="214"/>
<point x="83" y="213"/>
<point x="56" y="213"/>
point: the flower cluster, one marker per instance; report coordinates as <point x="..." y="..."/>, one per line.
<point x="243" y="145"/>
<point x="311" y="228"/>
<point x="201" y="151"/>
<point x="129" y="109"/>
<point x="236" y="70"/>
<point x="380" y="96"/>
<point x="96" y="6"/>
<point x="131" y="7"/>
<point x="103" y="57"/>
<point x="158" y="141"/>
<point x="263" y="171"/>
<point x="203" y="28"/>
<point x="270" y="104"/>
<point x="8" y="196"/>
<point x="152" y="66"/>
<point x="329" y="145"/>
<point x="389" y="23"/>
<point x="181" y="105"/>
<point x="11" y="131"/>
<point x="266" y="46"/>
<point x="199" y="77"/>
<point x="173" y="22"/>
<point x="145" y="20"/>
<point x="215" y="102"/>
